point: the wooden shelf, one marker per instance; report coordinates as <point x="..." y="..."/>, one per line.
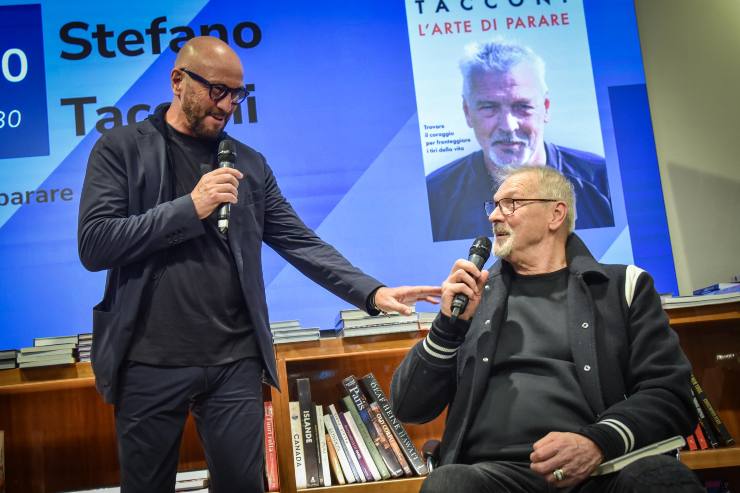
<point x="712" y="458"/>
<point x="698" y="316"/>
<point x="405" y="485"/>
<point x="72" y="376"/>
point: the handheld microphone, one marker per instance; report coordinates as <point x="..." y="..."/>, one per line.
<point x="478" y="254"/>
<point x="226" y="159"/>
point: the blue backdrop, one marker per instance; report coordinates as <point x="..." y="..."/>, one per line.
<point x="333" y="110"/>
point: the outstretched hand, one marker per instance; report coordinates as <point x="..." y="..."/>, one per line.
<point x="398" y="299"/>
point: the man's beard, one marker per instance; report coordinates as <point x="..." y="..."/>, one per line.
<point x="503" y="250"/>
<point x="506" y="160"/>
<point x="196" y="116"/>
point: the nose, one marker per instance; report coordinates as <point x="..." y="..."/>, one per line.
<point x="509" y="122"/>
<point x="496" y="216"/>
<point x="225" y="104"/>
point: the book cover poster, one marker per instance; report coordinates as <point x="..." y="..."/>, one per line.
<point x="560" y="113"/>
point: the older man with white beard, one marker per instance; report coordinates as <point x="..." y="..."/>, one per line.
<point x="507" y="104"/>
<point x="557" y="364"/>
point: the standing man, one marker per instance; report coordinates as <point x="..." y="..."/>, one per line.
<point x="183" y="324"/>
<point x="507" y="104"/>
<point x="557" y="364"/>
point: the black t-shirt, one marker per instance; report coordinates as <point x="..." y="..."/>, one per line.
<point x="196" y="315"/>
<point x="533" y="387"/>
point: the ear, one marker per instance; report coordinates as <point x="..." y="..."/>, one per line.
<point x="176" y="79"/>
<point x="547" y="108"/>
<point x="466" y="110"/>
<point x="559" y="213"/>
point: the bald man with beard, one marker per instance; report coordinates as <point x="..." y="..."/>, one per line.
<point x="183" y="325"/>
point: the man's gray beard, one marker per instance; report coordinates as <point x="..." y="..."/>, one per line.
<point x="504" y="250"/>
<point x="500" y="171"/>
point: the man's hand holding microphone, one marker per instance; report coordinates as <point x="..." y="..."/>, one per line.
<point x="463" y="288"/>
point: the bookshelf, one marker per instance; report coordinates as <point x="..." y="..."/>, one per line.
<point x="59" y="435"/>
<point x="706" y="331"/>
<point x="326" y="363"/>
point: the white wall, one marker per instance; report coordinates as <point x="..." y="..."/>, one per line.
<point x="691" y="51"/>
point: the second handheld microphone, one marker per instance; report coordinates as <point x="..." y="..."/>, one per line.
<point x="479" y="252"/>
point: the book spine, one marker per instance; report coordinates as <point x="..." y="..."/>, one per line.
<point x="409" y="449"/>
<point x="347" y="445"/>
<point x="310" y="440"/>
<point x="370" y="441"/>
<point x="353" y="426"/>
<point x="271" y="464"/>
<point x="700" y="438"/>
<point x="339" y="448"/>
<point x="297" y="440"/>
<point x="707" y="435"/>
<point x="355" y="447"/>
<point x="334" y="460"/>
<point x="325" y="474"/>
<point x="691" y="442"/>
<point x="380" y="440"/>
<point x="395" y="447"/>
<point x="723" y="435"/>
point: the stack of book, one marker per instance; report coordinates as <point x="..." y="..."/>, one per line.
<point x="8" y="359"/>
<point x="710" y="431"/>
<point x="48" y="351"/>
<point x="699" y="300"/>
<point x="357" y="442"/>
<point x="719" y="288"/>
<point x="358" y="323"/>
<point x="192" y="481"/>
<point x="291" y="331"/>
<point x="84" y="346"/>
<point x="426" y="319"/>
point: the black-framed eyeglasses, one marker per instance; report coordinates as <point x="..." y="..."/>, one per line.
<point x="508" y="206"/>
<point x="219" y="91"/>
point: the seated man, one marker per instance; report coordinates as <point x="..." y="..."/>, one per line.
<point x="557" y="364"/>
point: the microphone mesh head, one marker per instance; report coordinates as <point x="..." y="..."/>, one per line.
<point x="226" y="150"/>
<point x="481" y="247"/>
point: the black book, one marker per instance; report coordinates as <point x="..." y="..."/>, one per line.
<point x="372" y="387"/>
<point x="310" y="433"/>
<point x="715" y="421"/>
<point x="703" y="423"/>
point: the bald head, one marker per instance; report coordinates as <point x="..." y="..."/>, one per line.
<point x="203" y="52"/>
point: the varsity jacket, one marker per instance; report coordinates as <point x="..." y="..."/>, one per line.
<point x="630" y="366"/>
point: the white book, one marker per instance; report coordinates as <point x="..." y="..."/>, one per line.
<point x="656" y="448"/>
<point x="325" y="468"/>
<point x="339" y="448"/>
<point x="363" y="448"/>
<point x="296" y="436"/>
<point x="343" y="434"/>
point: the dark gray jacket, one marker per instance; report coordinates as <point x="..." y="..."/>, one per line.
<point x="129" y="218"/>
<point x="630" y="366"/>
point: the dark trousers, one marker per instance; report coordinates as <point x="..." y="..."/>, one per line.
<point x="226" y="401"/>
<point x="658" y="474"/>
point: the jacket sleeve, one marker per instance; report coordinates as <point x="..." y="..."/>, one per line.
<point x="289" y="236"/>
<point x="658" y="403"/>
<point x="108" y="236"/>
<point x="426" y="380"/>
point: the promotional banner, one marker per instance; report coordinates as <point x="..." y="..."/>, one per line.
<point x="354" y="105"/>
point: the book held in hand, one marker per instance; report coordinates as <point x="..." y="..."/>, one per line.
<point x="656" y="448"/>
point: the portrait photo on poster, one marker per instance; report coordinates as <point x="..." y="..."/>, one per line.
<point x="516" y="89"/>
